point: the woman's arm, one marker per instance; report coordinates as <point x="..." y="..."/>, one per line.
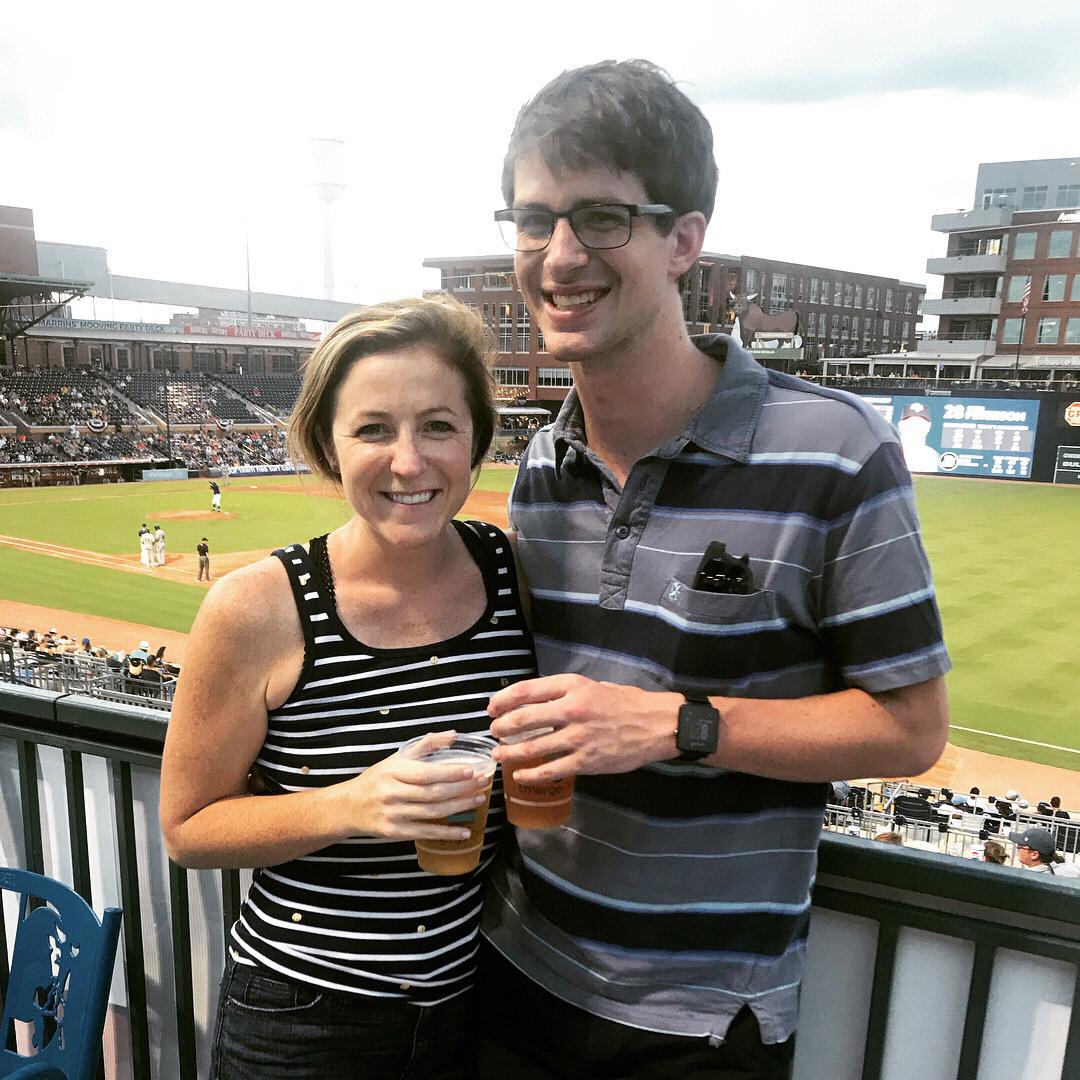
<point x="246" y="650"/>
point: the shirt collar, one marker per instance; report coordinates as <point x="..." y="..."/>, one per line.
<point x="724" y="425"/>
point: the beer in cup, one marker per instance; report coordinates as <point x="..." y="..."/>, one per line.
<point x="536" y="805"/>
<point x="460" y="856"/>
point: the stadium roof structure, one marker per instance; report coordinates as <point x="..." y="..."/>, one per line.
<point x="26" y="299"/>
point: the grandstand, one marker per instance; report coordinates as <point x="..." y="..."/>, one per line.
<point x="276" y="393"/>
<point x="184" y="398"/>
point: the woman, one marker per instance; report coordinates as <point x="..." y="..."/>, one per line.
<point x="311" y="669"/>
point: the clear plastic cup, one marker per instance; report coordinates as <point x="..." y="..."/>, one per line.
<point x="536" y="805"/>
<point x="455" y="857"/>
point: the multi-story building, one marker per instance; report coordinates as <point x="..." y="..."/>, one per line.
<point x="1011" y="291"/>
<point x="841" y="313"/>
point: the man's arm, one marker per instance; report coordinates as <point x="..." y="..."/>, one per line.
<point x="602" y="727"/>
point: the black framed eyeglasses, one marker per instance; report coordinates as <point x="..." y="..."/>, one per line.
<point x="600" y="226"/>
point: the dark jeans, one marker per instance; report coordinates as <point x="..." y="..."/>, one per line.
<point x="529" y="1034"/>
<point x="270" y="1028"/>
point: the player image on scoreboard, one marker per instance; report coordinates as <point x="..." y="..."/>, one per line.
<point x="914" y="428"/>
<point x="963" y="436"/>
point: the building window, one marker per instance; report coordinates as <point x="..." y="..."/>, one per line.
<point x="907" y="302"/>
<point x="858" y="296"/>
<point x="496" y="280"/>
<point x="1068" y="195"/>
<point x="870" y="297"/>
<point x="838" y="293"/>
<point x="123" y="358"/>
<point x="1017" y="285"/>
<point x="1049" y="331"/>
<point x="203" y="360"/>
<point x="506" y="327"/>
<point x="283" y="363"/>
<point x="811" y="324"/>
<point x="888" y="299"/>
<point x="835" y="327"/>
<point x="802" y="289"/>
<point x="778" y="295"/>
<point x="522" y="328"/>
<point x="907" y="330"/>
<point x="554" y="376"/>
<point x="1072" y="332"/>
<point x="686" y="294"/>
<point x="68" y="355"/>
<point x="1060" y="244"/>
<point x="1024" y="245"/>
<point x="1075" y="295"/>
<point x="884" y="329"/>
<point x="751" y="280"/>
<point x="457" y="280"/>
<point x="1054" y="287"/>
<point x="1011" y="333"/>
<point x="541" y="346"/>
<point x="814" y="284"/>
<point x="1002" y="196"/>
<point x="849" y="294"/>
<point x="1033" y="198"/>
<point x="845" y="327"/>
<point x="704" y="297"/>
<point x="511" y="376"/>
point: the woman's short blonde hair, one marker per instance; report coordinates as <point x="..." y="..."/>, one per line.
<point x="441" y="323"/>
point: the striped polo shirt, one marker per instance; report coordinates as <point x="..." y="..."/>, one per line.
<point x="361" y="916"/>
<point x="677" y="893"/>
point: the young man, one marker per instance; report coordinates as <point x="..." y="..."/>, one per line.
<point x="702" y="707"/>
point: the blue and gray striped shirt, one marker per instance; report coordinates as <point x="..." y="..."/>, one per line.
<point x="678" y="893"/>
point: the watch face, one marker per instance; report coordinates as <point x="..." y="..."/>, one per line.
<point x="698" y="728"/>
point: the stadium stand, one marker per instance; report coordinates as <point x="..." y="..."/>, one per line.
<point x="192" y="399"/>
<point x="49" y="398"/>
<point x="277" y="393"/>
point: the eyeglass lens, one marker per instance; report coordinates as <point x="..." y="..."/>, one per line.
<point x="595" y="226"/>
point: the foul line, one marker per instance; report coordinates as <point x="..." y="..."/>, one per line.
<point x="1013" y="738"/>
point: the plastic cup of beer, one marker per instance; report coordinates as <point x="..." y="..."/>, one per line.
<point x="536" y="805"/>
<point x="453" y="857"/>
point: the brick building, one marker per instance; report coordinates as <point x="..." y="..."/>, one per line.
<point x="841" y="313"/>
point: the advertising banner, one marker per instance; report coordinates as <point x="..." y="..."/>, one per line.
<point x="963" y="436"/>
<point x="1067" y="465"/>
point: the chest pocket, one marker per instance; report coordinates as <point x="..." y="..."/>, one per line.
<point x="712" y="640"/>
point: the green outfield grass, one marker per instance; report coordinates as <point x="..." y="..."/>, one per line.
<point x="1007" y="579"/>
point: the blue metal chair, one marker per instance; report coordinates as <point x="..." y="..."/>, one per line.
<point x="61" y="968"/>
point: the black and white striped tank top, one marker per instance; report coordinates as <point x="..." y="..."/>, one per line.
<point x="361" y="916"/>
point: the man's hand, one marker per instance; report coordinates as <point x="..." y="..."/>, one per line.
<point x="599" y="727"/>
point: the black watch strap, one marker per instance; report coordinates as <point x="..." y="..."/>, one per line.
<point x="698" y="733"/>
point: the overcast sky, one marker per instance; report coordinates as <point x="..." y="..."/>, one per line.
<point x="157" y="130"/>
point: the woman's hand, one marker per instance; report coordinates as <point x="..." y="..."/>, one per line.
<point x="405" y="798"/>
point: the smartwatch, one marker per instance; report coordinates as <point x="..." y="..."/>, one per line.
<point x="698" y="733"/>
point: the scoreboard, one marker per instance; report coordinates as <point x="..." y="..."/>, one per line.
<point x="963" y="436"/>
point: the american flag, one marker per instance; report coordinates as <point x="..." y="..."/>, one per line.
<point x="1027" y="298"/>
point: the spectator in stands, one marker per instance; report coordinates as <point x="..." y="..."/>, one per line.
<point x="994" y="852"/>
<point x="142" y="653"/>
<point x="890" y="838"/>
<point x="396" y="409"/>
<point x="1036" y="851"/>
<point x="1055" y="806"/>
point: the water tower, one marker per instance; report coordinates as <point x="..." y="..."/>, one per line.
<point x="328" y="182"/>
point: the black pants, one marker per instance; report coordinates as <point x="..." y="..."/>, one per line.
<point x="528" y="1034"/>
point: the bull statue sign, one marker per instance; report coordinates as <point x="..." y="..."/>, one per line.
<point x="750" y="319"/>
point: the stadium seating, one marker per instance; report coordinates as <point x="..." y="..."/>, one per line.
<point x="275" y="392"/>
<point x="192" y="399"/>
<point x="55" y="398"/>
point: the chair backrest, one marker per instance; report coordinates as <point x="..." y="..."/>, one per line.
<point x="61" y="969"/>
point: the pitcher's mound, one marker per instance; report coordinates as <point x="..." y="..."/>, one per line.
<point x="193" y="515"/>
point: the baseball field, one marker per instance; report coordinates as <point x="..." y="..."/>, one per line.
<point x="1006" y="571"/>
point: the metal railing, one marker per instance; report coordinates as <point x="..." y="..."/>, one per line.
<point x="78" y="801"/>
